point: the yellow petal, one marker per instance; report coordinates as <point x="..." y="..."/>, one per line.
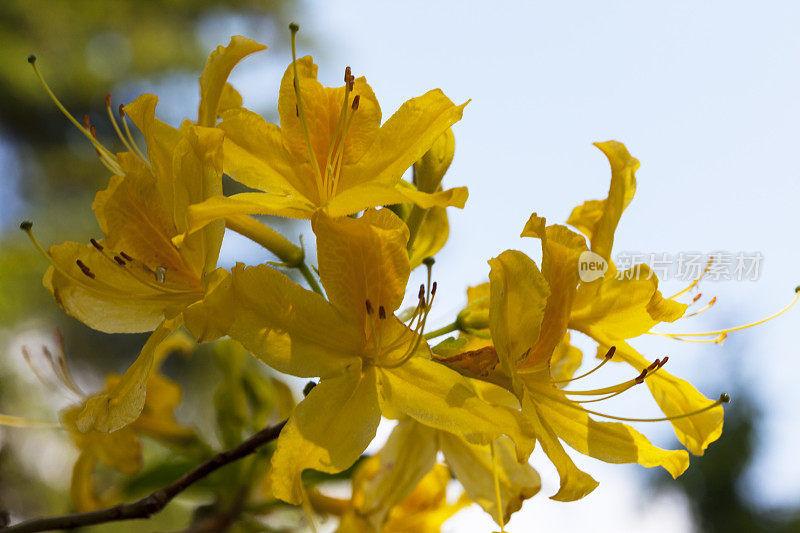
<point x="215" y="75"/>
<point x="431" y="168"/>
<point x="363" y="259"/>
<point x="255" y="156"/>
<point x="82" y="488"/>
<point x="676" y="397"/>
<point x="561" y="249"/>
<point x="408" y="455"/>
<point x="565" y="361"/>
<point x="575" y="484"/>
<point x="160" y="138"/>
<point x="443" y="399"/>
<point x="431" y="236"/>
<point x="364" y="122"/>
<point x="247" y="203"/>
<point x="281" y="323"/>
<point x="474" y="468"/>
<point x="197" y="167"/>
<point x="519" y="295"/>
<point x="609" y="442"/>
<point x="373" y="194"/>
<point x="622" y="308"/>
<point x="328" y="431"/>
<point x="598" y="219"/>
<point x="120" y="450"/>
<point x="403" y="139"/>
<point x="110" y="411"/>
<point x="115" y="300"/>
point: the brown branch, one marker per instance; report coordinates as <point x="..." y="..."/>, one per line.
<point x="155" y="502"/>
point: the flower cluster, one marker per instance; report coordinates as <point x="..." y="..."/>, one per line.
<point x="483" y="397"/>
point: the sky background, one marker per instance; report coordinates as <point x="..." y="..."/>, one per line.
<point x="703" y="94"/>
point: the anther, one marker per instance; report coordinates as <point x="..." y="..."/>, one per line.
<point x="381" y="313"/>
<point x="96" y="245"/>
<point x="653" y="365"/>
<point x="663" y="362"/>
<point x="32" y="59"/>
<point x="355" y="101"/>
<point x="296" y="110"/>
<point x="610" y="352"/>
<point x="126" y="256"/>
<point x="433" y="288"/>
<point x="121" y="110"/>
<point x="697" y="297"/>
<point x="640" y="377"/>
<point x="26" y="225"/>
<point x="369" y="307"/>
<point x="86" y="121"/>
<point x="422" y="292"/>
<point x="120" y="261"/>
<point x="108" y="99"/>
<point x="84" y="268"/>
<point x="347" y="75"/>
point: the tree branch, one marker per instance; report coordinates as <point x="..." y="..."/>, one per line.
<point x="155" y="502"/>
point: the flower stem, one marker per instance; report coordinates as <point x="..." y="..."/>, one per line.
<point x="449" y="328"/>
<point x="309" y="277"/>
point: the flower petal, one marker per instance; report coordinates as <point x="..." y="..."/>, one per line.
<point x="444" y="399"/>
<point x="575" y="483"/>
<point x="363" y="259"/>
<point x="255" y="156"/>
<point x="328" y="431"/>
<point x="115" y="409"/>
<point x="607" y="441"/>
<point x="519" y="294"/>
<point x="403" y="139"/>
<point x="247" y="203"/>
<point x="474" y="468"/>
<point x="599" y="221"/>
<point x="215" y="75"/>
<point x="373" y="194"/>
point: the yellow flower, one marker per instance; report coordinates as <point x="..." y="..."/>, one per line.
<point x="145" y="271"/>
<point x="423" y="507"/>
<point x="330" y="152"/>
<point x="491" y="473"/>
<point x="615" y="308"/>
<point x="369" y="362"/>
<point x="529" y="316"/>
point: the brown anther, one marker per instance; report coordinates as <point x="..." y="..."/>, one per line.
<point x="96" y="244"/>
<point x="653" y="365"/>
<point x="712" y="301"/>
<point x="422" y="292"/>
<point x="347" y="75"/>
<point x="640" y="377"/>
<point x="369" y="307"/>
<point x="610" y="352"/>
<point x="663" y="361"/>
<point x="120" y="261"/>
<point x="355" y="101"/>
<point x="121" y="110"/>
<point x="699" y="294"/>
<point x="433" y="288"/>
<point x="352" y="82"/>
<point x="84" y="268"/>
<point x="93" y="131"/>
<point x="381" y="313"/>
<point x="108" y="99"/>
<point x="126" y="256"/>
<point x="296" y="110"/>
<point x="86" y="121"/>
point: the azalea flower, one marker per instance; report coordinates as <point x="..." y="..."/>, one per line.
<point x="330" y="151"/>
<point x="120" y="450"/>
<point x="146" y="271"/>
<point x="368" y="361"/>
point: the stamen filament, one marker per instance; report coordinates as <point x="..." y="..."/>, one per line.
<point x="131" y="139"/>
<point x="730" y="330"/>
<point x="609" y="355"/>
<point x="696" y="280"/>
<point x="708" y="306"/>
<point x="723" y="398"/>
<point x="100" y="148"/>
<point x="294" y="28"/>
<point x="116" y="126"/>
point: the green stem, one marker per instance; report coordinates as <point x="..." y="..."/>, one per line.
<point x="306" y="272"/>
<point x="291" y="255"/>
<point x="441" y="331"/>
